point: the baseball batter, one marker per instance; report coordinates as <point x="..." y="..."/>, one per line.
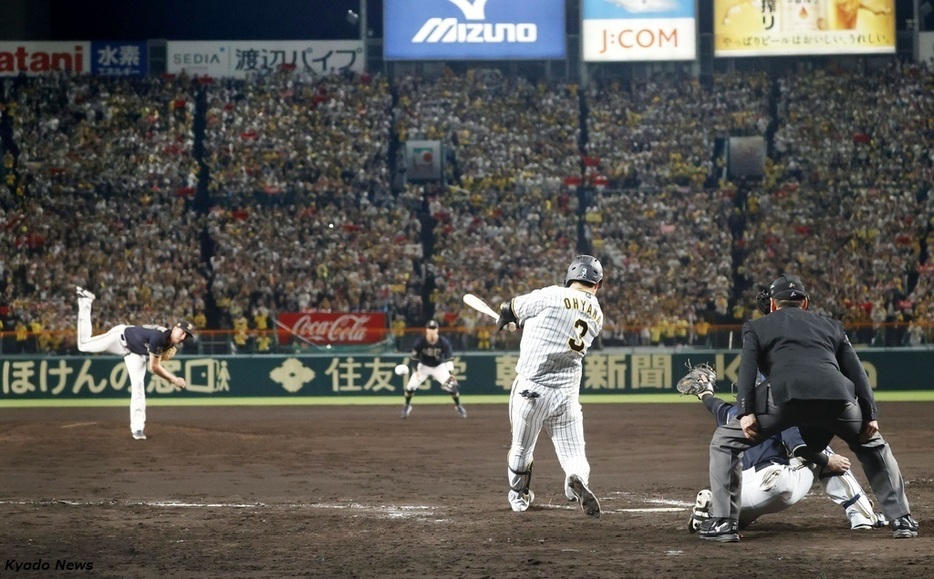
<point x="140" y="346"/>
<point x="776" y="476"/>
<point x="432" y="357"/>
<point x="559" y="325"/>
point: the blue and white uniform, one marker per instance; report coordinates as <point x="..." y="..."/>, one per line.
<point x="433" y="357"/>
<point x="135" y="344"/>
<point x="431" y="361"/>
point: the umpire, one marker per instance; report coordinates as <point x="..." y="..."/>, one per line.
<point x="816" y="382"/>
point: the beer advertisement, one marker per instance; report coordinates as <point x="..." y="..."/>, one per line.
<point x="802" y="27"/>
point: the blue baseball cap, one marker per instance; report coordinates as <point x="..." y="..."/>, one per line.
<point x="188" y="327"/>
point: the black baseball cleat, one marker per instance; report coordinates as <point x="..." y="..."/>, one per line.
<point x="720" y="530"/>
<point x="904" y="528"/>
<point x="587" y="500"/>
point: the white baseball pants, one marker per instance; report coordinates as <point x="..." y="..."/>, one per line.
<point x="423" y="372"/>
<point x="533" y="407"/>
<point x="777" y="487"/>
<point x="112" y="342"/>
<point x="773" y="489"/>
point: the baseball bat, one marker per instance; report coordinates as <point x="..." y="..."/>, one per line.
<point x="480" y="305"/>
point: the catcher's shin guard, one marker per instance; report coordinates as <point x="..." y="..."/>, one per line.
<point x="701" y="510"/>
<point x="846" y="491"/>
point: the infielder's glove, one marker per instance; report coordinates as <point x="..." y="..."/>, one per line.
<point x="699" y="380"/>
<point x="168" y="353"/>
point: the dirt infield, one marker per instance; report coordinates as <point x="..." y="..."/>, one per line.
<point x="357" y="492"/>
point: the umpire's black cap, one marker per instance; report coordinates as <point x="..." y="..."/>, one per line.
<point x="188" y="327"/>
<point x="432" y="325"/>
<point x="787" y="287"/>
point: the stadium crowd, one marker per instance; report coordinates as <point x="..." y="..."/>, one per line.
<point x="510" y="146"/>
<point x="233" y="200"/>
<point x="847" y="203"/>
<point x="97" y="197"/>
<point x="304" y="215"/>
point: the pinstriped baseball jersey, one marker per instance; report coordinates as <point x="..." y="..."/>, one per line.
<point x="558" y="326"/>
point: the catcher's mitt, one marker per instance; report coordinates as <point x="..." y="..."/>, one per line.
<point x="168" y="353"/>
<point x="700" y="379"/>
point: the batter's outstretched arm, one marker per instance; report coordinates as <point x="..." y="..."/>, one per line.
<point x="506" y="315"/>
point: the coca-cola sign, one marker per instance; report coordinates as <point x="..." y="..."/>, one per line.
<point x="322" y="328"/>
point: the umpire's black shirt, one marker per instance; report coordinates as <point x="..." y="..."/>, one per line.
<point x="805" y="356"/>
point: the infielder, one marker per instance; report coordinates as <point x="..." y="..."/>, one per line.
<point x="779" y="471"/>
<point x="140" y="346"/>
<point x="432" y="357"/>
<point x="559" y="325"/>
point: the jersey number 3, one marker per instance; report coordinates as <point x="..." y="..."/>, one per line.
<point x="578" y="344"/>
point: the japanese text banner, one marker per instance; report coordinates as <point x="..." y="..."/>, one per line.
<point x="238" y="59"/>
<point x="790" y="27"/>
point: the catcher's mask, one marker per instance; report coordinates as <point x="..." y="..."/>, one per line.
<point x="764" y="302"/>
<point x="786" y="287"/>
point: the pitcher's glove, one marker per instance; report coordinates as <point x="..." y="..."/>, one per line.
<point x="169" y="353"/>
<point x="699" y="380"/>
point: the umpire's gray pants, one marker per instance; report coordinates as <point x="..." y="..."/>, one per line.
<point x="819" y="421"/>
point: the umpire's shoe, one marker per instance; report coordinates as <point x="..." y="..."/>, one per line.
<point x="720" y="530"/>
<point x="587" y="500"/>
<point x="904" y="528"/>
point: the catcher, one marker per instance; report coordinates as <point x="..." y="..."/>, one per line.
<point x="779" y="471"/>
<point x="142" y="347"/>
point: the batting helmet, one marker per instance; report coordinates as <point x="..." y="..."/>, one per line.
<point x="586" y="268"/>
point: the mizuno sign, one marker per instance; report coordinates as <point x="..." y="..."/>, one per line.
<point x="478" y="29"/>
<point x="450" y="30"/>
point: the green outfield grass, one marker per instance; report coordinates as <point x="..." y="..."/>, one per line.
<point x="669" y="398"/>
